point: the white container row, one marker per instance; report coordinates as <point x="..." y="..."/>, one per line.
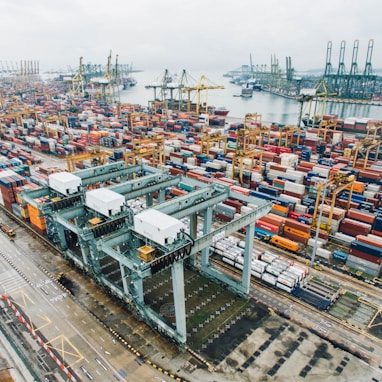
<point x="343" y="237"/>
<point x="294" y="187"/>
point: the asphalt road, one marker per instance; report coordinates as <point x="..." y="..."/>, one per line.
<point x="82" y="344"/>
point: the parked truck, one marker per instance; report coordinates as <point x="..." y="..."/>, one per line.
<point x="8" y="230"/>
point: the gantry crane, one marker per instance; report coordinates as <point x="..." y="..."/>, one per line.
<point x="326" y="126"/>
<point x="202" y="85"/>
<point x="373" y="131"/>
<point x="327" y="194"/>
<point x="209" y="140"/>
<point x="147" y="148"/>
<point x="77" y="83"/>
<point x="58" y="121"/>
<point x="287" y="134"/>
<point x="135" y="119"/>
<point x="363" y="149"/>
<point x="96" y="156"/>
<point x="245" y="147"/>
<point x="16" y="117"/>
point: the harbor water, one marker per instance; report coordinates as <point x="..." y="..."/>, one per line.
<point x="273" y="108"/>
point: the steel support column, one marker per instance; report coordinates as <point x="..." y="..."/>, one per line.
<point x="149" y="200"/>
<point x="246" y="279"/>
<point x="161" y="196"/>
<point x="179" y="302"/>
<point x="124" y="275"/>
<point x="207" y="225"/>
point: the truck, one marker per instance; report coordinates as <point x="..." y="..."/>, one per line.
<point x="8" y="230"/>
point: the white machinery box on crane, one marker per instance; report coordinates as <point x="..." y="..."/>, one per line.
<point x="105" y="201"/>
<point x="64" y="182"/>
<point x="157" y="226"/>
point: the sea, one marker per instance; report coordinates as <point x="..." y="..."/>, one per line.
<point x="272" y="108"/>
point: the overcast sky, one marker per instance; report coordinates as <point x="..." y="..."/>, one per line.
<point x="185" y="34"/>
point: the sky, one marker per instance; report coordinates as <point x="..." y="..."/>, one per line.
<point x="194" y="35"/>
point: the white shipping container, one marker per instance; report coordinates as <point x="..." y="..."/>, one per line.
<point x="270" y="279"/>
<point x="258" y="269"/>
<point x="291" y="198"/>
<point x="294" y="187"/>
<point x="284" y="287"/>
<point x="324" y="253"/>
<point x="288" y="281"/>
<point x="256" y="274"/>
<point x="300" y="208"/>
<point x="344" y="237"/>
<point x="311" y="243"/>
<point x="324" y="172"/>
<point x="373" y="187"/>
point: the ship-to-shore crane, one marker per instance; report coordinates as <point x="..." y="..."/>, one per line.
<point x="319" y="94"/>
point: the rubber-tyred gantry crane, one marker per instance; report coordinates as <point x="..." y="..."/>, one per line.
<point x="327" y="194"/>
<point x="202" y="85"/>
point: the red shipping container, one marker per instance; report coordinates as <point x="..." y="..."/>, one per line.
<point x="233" y="203"/>
<point x="293" y="194"/>
<point x="361" y="216"/>
<point x="376" y="233"/>
<point x="365" y="256"/>
<point x="302" y="169"/>
<point x="297" y="225"/>
<point x="273" y="219"/>
<point x="343" y="204"/>
<point x="267" y="227"/>
<point x="294" y="215"/>
<point x="353" y="227"/>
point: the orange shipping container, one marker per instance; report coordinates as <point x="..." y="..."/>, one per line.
<point x="282" y="209"/>
<point x="297" y="232"/>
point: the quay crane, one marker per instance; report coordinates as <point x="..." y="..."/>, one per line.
<point x="202" y="85"/>
<point x="318" y="94"/>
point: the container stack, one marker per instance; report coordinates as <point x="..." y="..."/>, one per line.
<point x="365" y="255"/>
